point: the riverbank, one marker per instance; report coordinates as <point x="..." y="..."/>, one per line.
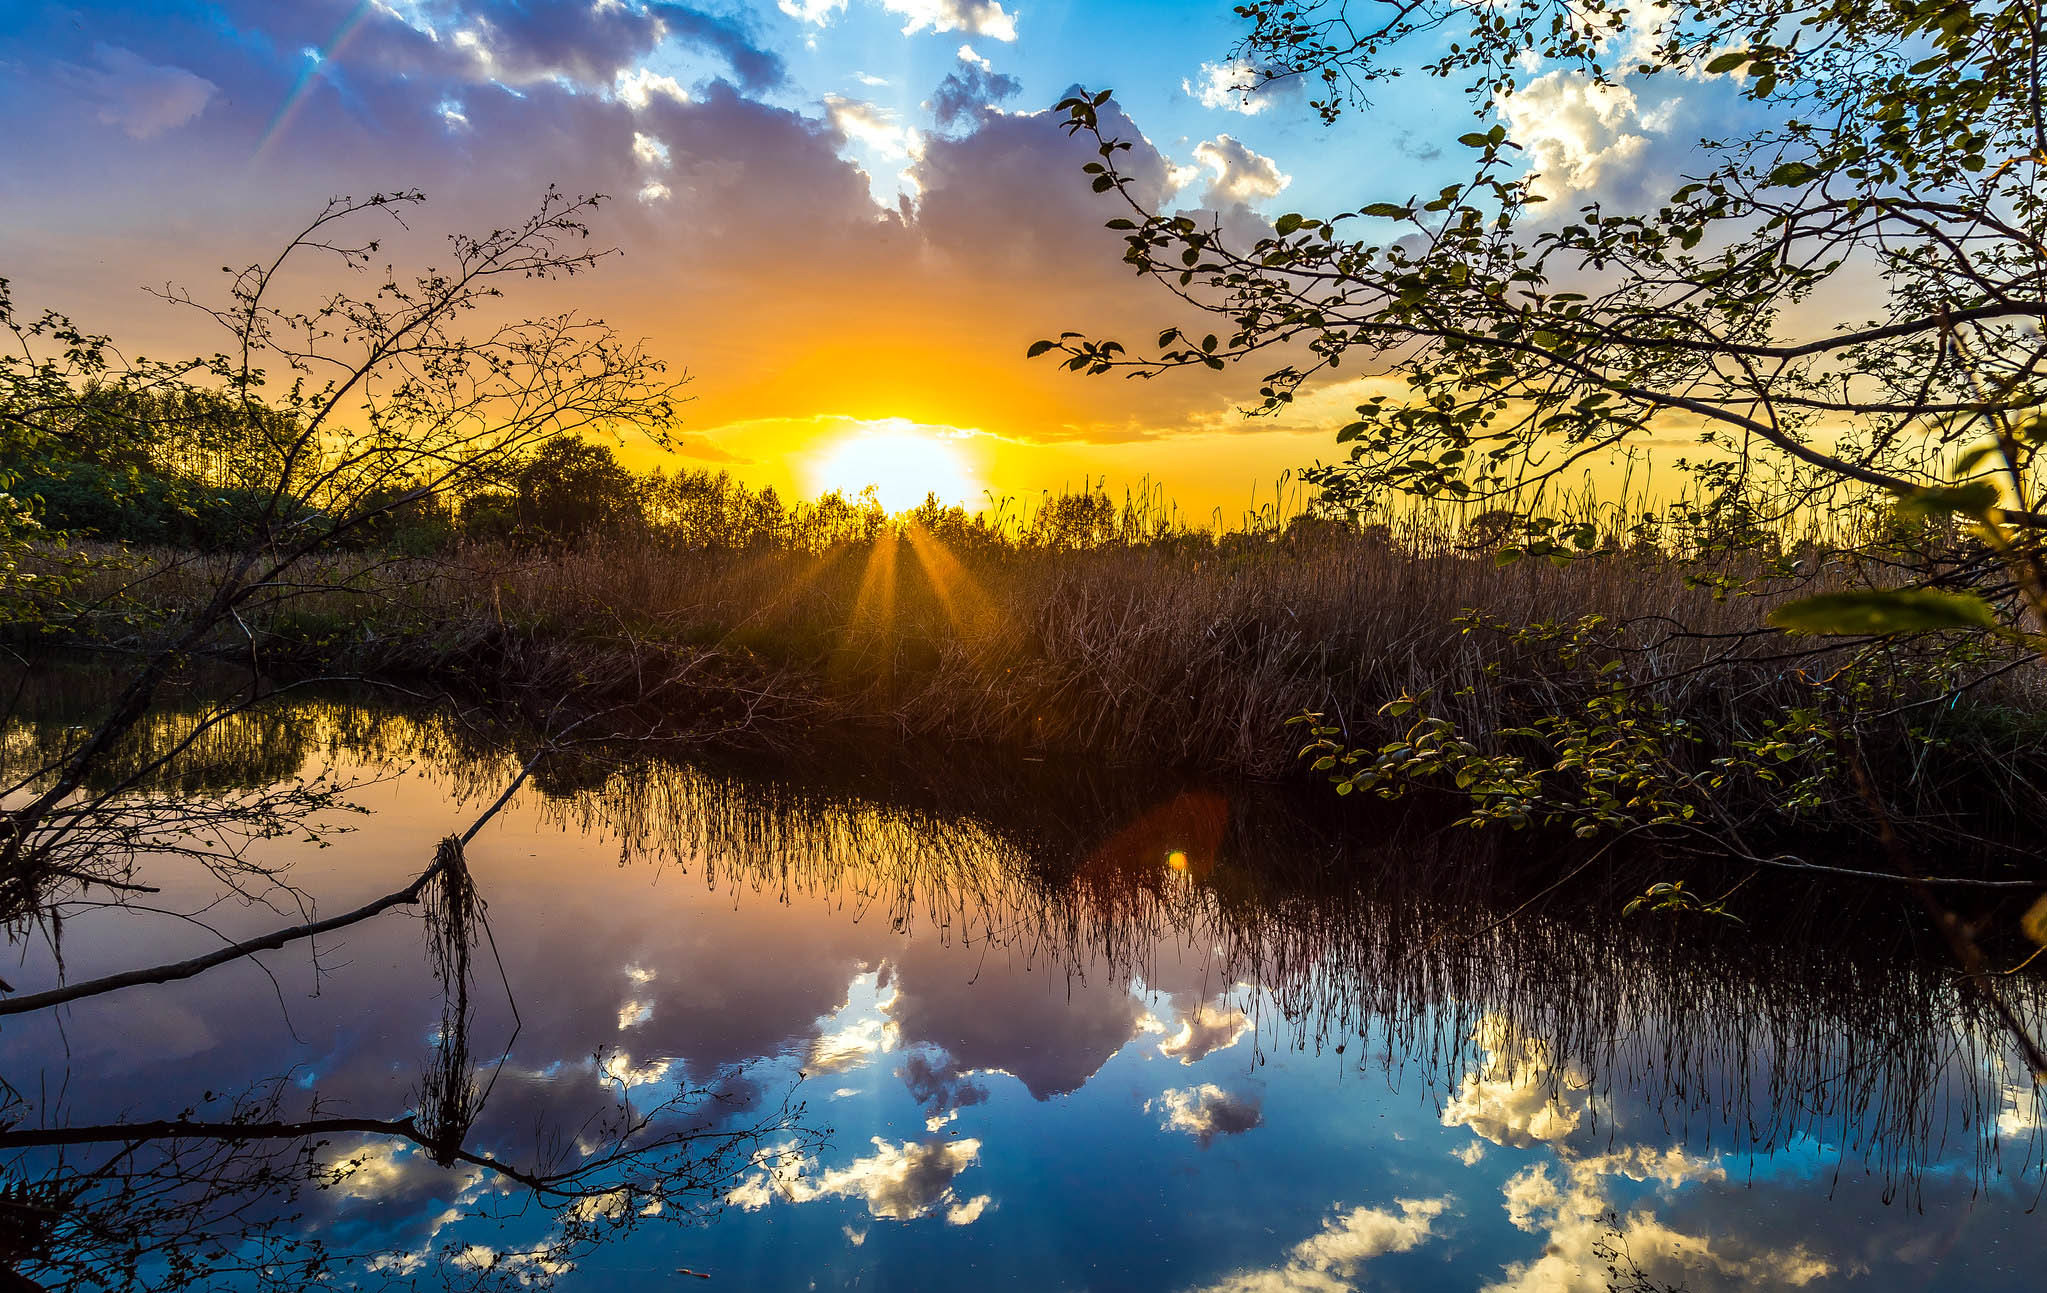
<point x="1175" y="654"/>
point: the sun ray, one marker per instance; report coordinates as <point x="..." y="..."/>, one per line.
<point x="958" y="595"/>
<point x="875" y="605"/>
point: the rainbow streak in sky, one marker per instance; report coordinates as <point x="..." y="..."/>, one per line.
<point x="315" y="65"/>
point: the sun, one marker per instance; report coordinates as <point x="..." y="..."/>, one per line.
<point x="904" y="463"/>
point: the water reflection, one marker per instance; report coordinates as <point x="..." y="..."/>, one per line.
<point x="886" y="1025"/>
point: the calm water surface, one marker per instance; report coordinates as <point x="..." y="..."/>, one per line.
<point x="1005" y="1029"/>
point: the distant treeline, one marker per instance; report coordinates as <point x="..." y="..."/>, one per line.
<point x="202" y="473"/>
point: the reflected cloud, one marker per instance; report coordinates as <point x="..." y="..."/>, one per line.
<point x="1205" y="1030"/>
<point x="1207" y="1111"/>
<point x="386" y="1171"/>
<point x="991" y="965"/>
<point x="633" y="1012"/>
<point x="1050" y="1035"/>
<point x="1328" y="1262"/>
<point x="618" y="1066"/>
<point x="1585" y="1236"/>
<point x="939" y="1087"/>
<point x="1517" y="1097"/>
<point x="897" y="1182"/>
<point x="2021" y="1108"/>
<point x="850" y="1047"/>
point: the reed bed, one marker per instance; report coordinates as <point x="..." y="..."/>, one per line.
<point x="1115" y="632"/>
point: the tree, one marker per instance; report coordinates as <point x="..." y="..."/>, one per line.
<point x="572" y="487"/>
<point x="1896" y="163"/>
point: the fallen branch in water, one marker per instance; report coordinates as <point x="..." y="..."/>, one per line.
<point x="234" y="951"/>
<point x="448" y="856"/>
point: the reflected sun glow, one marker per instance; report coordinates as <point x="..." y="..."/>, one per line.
<point x="901" y="460"/>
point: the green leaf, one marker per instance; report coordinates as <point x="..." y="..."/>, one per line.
<point x="1286" y="224"/>
<point x="1387" y="211"/>
<point x="1885" y="611"/>
<point x="1974" y="458"/>
<point x="1793" y="174"/>
<point x="1974" y="499"/>
<point x="1727" y="62"/>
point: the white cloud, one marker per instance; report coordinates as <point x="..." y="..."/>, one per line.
<point x="812" y="11"/>
<point x="1519" y="1097"/>
<point x="650" y="151"/>
<point x="477" y="47"/>
<point x="2020" y="1106"/>
<point x="143" y="98"/>
<point x="633" y="1013"/>
<point x="968" y="54"/>
<point x="651" y="191"/>
<point x="618" y="1066"/>
<point x="1577" y="132"/>
<point x="975" y="17"/>
<point x="1228" y="85"/>
<point x="1328" y="1261"/>
<point x="1577" y="1217"/>
<point x="637" y="87"/>
<point x="1239" y="175"/>
<point x="872" y="125"/>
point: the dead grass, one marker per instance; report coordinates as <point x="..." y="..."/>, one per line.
<point x="1164" y="653"/>
<point x="1079" y="629"/>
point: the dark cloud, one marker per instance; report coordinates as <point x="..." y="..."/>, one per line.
<point x="755" y="253"/>
<point x="756" y="68"/>
<point x="1050" y="1032"/>
<point x="967" y="90"/>
<point x="524" y="42"/>
<point x="937" y="1084"/>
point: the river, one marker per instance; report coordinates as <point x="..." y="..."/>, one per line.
<point x="937" y="1022"/>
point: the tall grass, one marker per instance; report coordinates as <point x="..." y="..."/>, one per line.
<point x="1115" y="629"/>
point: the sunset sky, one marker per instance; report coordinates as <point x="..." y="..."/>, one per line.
<point x="846" y="219"/>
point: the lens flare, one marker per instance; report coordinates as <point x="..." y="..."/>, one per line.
<point x="316" y="64"/>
